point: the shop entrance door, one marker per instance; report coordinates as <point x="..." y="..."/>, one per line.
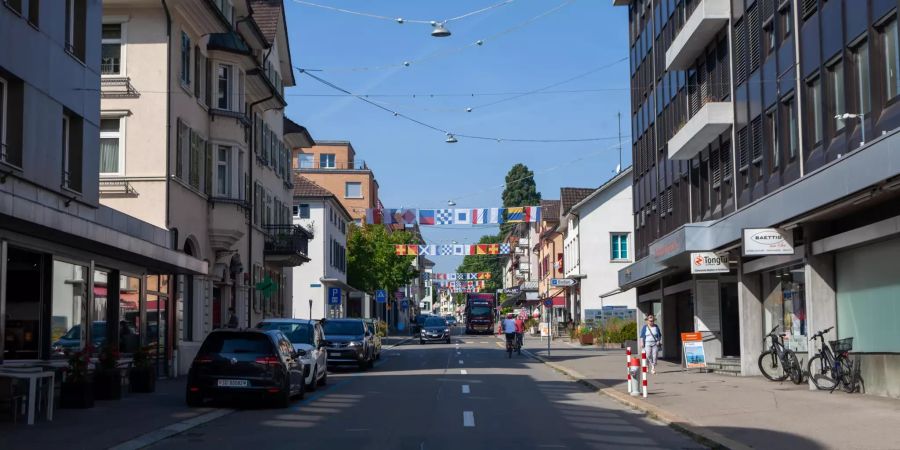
<point x="731" y="331"/>
<point x="684" y="319"/>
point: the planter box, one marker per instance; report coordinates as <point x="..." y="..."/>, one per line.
<point x="108" y="384"/>
<point x="142" y="380"/>
<point x="77" y="395"/>
<point x="586" y="339"/>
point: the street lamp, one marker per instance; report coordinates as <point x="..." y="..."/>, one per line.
<point x="451" y="203"/>
<point x="451" y="139"/>
<point x="862" y="122"/>
<point x="439" y="30"/>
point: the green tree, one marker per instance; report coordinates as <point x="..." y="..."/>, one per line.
<point x="485" y="263"/>
<point x="372" y="262"/>
<point x="520" y="190"/>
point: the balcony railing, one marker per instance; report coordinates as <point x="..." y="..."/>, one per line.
<point x="117" y="87"/>
<point x="287" y="245"/>
<point x="334" y="165"/>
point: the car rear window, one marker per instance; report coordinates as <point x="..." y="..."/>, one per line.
<point x="297" y="333"/>
<point x="237" y="343"/>
<point x="343" y="328"/>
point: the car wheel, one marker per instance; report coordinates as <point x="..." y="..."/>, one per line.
<point x="448" y="340"/>
<point x="312" y="384"/>
<point x="371" y="363"/>
<point x="324" y="380"/>
<point x="362" y="365"/>
<point x="194" y="399"/>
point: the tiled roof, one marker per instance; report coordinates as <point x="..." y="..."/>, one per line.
<point x="550" y="210"/>
<point x="304" y="187"/>
<point x="266" y="14"/>
<point x="570" y="196"/>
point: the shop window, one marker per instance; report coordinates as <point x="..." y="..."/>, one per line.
<point x="891" y="65"/>
<point x="101" y="297"/>
<point x="129" y="314"/>
<point x="68" y="311"/>
<point x="785" y="305"/>
<point x="868" y="289"/>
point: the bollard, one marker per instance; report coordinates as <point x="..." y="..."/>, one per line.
<point x="644" y="374"/>
<point x="627" y="369"/>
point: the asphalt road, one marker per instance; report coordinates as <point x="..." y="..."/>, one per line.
<point x="465" y="395"/>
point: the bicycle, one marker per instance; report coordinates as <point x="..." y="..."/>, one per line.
<point x="828" y="371"/>
<point x="510" y="343"/>
<point x="778" y="363"/>
<point x="519" y="338"/>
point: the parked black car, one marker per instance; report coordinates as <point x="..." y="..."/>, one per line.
<point x="239" y="364"/>
<point x="349" y="341"/>
<point x="435" y="329"/>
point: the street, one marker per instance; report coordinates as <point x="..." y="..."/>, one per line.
<point x="463" y="395"/>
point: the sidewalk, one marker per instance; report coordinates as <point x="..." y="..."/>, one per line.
<point x="735" y="412"/>
<point x="108" y="423"/>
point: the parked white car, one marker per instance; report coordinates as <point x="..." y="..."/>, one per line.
<point x="308" y="340"/>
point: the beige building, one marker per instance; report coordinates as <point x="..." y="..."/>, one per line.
<point x="333" y="165"/>
<point x="192" y="140"/>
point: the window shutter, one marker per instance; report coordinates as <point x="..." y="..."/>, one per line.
<point x="715" y="168"/>
<point x="740" y="51"/>
<point x="755" y="26"/>
<point x="808" y="7"/>
<point x="743" y="149"/>
<point x="247" y="192"/>
<point x="179" y="150"/>
<point x="209" y="169"/>
<point x="209" y="83"/>
<point x="726" y="162"/>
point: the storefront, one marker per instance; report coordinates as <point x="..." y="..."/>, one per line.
<point x="784" y="305"/>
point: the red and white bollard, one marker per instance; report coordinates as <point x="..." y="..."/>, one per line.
<point x="627" y="368"/>
<point x="644" y="374"/>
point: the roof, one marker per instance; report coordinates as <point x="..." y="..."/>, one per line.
<point x="570" y="196"/>
<point x="266" y="14"/>
<point x="623" y="174"/>
<point x="550" y="210"/>
<point x="306" y="188"/>
<point x="291" y="127"/>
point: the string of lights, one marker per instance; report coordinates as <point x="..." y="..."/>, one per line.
<point x="446" y="51"/>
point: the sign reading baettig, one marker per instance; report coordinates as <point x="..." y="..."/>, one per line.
<point x="767" y="241"/>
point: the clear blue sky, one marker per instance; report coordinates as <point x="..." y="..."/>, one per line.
<point x="413" y="165"/>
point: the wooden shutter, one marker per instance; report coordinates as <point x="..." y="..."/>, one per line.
<point x="207" y="188"/>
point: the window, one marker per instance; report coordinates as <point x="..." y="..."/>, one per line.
<point x="772" y="129"/>
<point x="814" y="88"/>
<point x="836" y="86"/>
<point x="71" y="132"/>
<point x="111" y="49"/>
<point x="226" y="8"/>
<point x="861" y="55"/>
<point x="34" y="12"/>
<point x="223" y="171"/>
<point x="891" y="59"/>
<point x="15" y="5"/>
<point x="301" y="211"/>
<point x="229" y="88"/>
<point x="75" y="27"/>
<point x="619" y="246"/>
<point x="353" y="190"/>
<point x="185" y="59"/>
<point x="3" y="116"/>
<point x="199" y="75"/>
<point x="197" y="162"/>
<point x="182" y="144"/>
<point x="794" y="138"/>
<point x="769" y="33"/>
<point x="326" y="161"/>
<point x="111" y="151"/>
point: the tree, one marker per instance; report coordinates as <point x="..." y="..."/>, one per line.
<point x="520" y="190"/>
<point x="372" y="262"/>
<point x="485" y="263"/>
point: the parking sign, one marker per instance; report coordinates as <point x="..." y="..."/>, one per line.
<point x="334" y="296"/>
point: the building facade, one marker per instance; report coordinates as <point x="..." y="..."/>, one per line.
<point x="549" y="249"/>
<point x="569" y="197"/>
<point x="73" y="272"/>
<point x="779" y="117"/>
<point x="333" y="165"/>
<point x="192" y="140"/>
<point x="598" y="243"/>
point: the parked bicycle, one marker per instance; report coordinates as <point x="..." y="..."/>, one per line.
<point x="832" y="367"/>
<point x="778" y="363"/>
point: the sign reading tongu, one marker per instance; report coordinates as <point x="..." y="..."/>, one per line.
<point x="709" y="262"/>
<point x="767" y="241"/>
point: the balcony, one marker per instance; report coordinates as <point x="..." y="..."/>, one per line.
<point x="701" y="27"/>
<point x="286" y="245"/>
<point x="335" y="165"/>
<point x="713" y="119"/>
<point x="117" y="87"/>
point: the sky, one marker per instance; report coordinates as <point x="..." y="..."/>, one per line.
<point x="583" y="43"/>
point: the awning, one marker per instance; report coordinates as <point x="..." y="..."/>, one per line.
<point x="611" y="293"/>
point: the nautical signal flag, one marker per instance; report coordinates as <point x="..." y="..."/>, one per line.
<point x="426" y="217"/>
<point x="468" y="216"/>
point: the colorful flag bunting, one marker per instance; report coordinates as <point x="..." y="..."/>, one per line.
<point x="443" y="216"/>
<point x="462" y="217"/>
<point x="426" y="217"/>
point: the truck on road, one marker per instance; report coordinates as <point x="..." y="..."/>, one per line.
<point x="480" y="313"/>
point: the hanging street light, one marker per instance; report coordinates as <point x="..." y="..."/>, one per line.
<point x="439" y="30"/>
<point x="451" y="203"/>
<point x="451" y="139"/>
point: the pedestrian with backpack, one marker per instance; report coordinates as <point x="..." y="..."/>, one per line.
<point x="651" y="341"/>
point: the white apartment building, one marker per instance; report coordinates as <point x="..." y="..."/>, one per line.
<point x="320" y="212"/>
<point x="599" y="243"/>
<point x="192" y="140"/>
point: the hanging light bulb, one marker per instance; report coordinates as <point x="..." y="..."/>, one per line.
<point x="451" y="139"/>
<point x="479" y="42"/>
<point x="400" y="20"/>
<point x="439" y="30"/>
<point x="406" y="63"/>
<point x="468" y="109"/>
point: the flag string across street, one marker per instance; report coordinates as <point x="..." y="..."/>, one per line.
<point x="454" y="216"/>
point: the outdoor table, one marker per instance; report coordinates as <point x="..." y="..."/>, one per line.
<point x="32" y="376"/>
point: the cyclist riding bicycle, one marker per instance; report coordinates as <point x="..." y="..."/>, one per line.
<point x="520" y="332"/>
<point x="509" y="329"/>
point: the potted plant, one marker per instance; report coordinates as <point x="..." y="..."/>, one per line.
<point x="76" y="390"/>
<point x="107" y="376"/>
<point x="142" y="376"/>
<point x="585" y="336"/>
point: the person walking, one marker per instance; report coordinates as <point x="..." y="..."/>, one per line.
<point x="651" y="341"/>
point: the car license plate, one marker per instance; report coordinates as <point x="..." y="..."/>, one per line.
<point x="234" y="383"/>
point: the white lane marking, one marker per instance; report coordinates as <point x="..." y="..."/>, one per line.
<point x="465" y="389"/>
<point x="482" y="342"/>
<point x="468" y="419"/>
<point x="148" y="439"/>
<point x="460" y="361"/>
<point x="463" y="372"/>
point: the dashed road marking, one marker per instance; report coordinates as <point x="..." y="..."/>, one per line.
<point x="468" y="419"/>
<point x="465" y="389"/>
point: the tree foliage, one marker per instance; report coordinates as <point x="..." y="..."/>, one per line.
<point x="520" y="190"/>
<point x="372" y="262"/>
<point x="485" y="263"/>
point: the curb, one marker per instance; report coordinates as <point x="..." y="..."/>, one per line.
<point x="696" y="432"/>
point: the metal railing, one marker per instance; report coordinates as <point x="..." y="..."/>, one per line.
<point x="117" y="87"/>
<point x="333" y="165"/>
<point x="286" y="239"/>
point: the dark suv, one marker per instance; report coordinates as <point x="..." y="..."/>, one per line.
<point x="258" y="364"/>
<point x="349" y="341"/>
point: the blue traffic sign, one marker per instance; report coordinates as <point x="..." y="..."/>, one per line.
<point x="334" y="296"/>
<point x="404" y="304"/>
<point x="380" y="296"/>
<point x="548" y="302"/>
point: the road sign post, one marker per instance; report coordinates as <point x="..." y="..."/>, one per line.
<point x="334" y="298"/>
<point x="560" y="282"/>
<point x="548" y="305"/>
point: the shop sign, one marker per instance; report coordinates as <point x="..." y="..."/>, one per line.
<point x="767" y="241"/>
<point x="692" y="346"/>
<point x="709" y="262"/>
